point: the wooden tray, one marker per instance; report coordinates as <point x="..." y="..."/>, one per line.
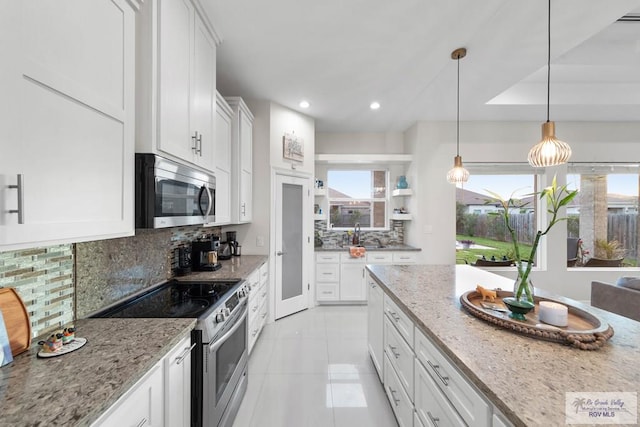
<point x="16" y="320"/>
<point x="585" y="330"/>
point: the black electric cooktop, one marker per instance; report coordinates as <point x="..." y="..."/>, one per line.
<point x="172" y="299"/>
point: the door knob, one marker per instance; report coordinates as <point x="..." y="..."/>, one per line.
<point x="280" y="253"/>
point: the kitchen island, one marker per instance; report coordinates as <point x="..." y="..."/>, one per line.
<point x="524" y="378"/>
<point x="76" y="388"/>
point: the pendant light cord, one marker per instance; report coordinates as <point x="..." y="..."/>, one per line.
<point x="548" y="58"/>
<point x="458" y="111"/>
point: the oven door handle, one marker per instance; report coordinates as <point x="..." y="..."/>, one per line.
<point x="214" y="346"/>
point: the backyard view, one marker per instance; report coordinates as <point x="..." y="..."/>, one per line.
<point x="602" y="222"/>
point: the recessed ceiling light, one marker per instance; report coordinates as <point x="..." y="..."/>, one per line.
<point x="374" y="105"/>
<point x="304" y="104"/>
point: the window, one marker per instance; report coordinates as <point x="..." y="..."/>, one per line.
<point x="358" y="196"/>
<point x="480" y="232"/>
<point x="604" y="216"/>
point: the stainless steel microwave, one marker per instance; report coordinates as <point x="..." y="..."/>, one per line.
<point x="169" y="194"/>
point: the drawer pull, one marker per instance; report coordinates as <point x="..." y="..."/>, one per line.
<point x="327" y="292"/>
<point x="255" y="331"/>
<point x="141" y="423"/>
<point x="327" y="274"/>
<point x="254" y="308"/>
<point x="434" y="420"/>
<point x="264" y="315"/>
<point x="394" y="315"/>
<point x="436" y="370"/>
<point x="392" y="348"/>
<point x="393" y="396"/>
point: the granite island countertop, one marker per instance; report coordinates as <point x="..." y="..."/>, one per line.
<point x="388" y="248"/>
<point x="238" y="267"/>
<point x="490" y="356"/>
<point x="74" y="389"/>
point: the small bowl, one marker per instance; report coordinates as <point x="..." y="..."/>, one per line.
<point x="518" y="308"/>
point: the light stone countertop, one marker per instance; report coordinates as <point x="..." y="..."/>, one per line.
<point x="525" y="378"/>
<point x="75" y="388"/>
<point x="234" y="268"/>
<point x="388" y="248"/>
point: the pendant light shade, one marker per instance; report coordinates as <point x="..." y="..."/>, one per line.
<point x="458" y="174"/>
<point x="550" y="151"/>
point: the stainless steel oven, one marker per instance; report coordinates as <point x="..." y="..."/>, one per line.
<point x="169" y="194"/>
<point x="225" y="370"/>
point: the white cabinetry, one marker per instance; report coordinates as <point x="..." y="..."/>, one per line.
<point x="258" y="304"/>
<point x="242" y="161"/>
<point x="375" y="332"/>
<point x="327" y="276"/>
<point x="177" y="385"/>
<point x="141" y="405"/>
<point x="352" y="278"/>
<point x="400" y="401"/>
<point x="222" y="160"/>
<point x="176" y="86"/>
<point x="67" y="122"/>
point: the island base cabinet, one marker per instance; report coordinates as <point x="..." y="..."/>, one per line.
<point x="375" y="331"/>
<point x="400" y="401"/>
<point x="140" y="406"/>
<point x="432" y="407"/>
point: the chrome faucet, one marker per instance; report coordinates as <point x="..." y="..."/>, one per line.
<point x="356" y="234"/>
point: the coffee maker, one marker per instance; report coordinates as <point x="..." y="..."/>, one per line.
<point x="204" y="254"/>
<point x="233" y="243"/>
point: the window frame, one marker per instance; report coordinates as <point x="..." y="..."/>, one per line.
<point x="386" y="199"/>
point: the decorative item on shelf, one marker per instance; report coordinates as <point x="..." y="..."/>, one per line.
<point x="550" y="151"/>
<point x="316" y="208"/>
<point x="319" y="183"/>
<point x="555" y="198"/>
<point x="458" y="174"/>
<point x="402" y="183"/>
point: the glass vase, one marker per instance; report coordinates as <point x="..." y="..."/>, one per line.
<point x="522" y="301"/>
<point x="523" y="288"/>
<point x="402" y="182"/>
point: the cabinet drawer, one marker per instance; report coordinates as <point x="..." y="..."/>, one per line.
<point x="400" y="403"/>
<point x="328" y="257"/>
<point x="345" y="258"/>
<point x="379" y="257"/>
<point x="432" y="406"/>
<point x="327" y="273"/>
<point x="468" y="402"/>
<point x="327" y="291"/>
<point x="400" y="356"/>
<point x="399" y="319"/>
<point x="253" y="280"/>
<point x="264" y="273"/>
<point x="405" y="257"/>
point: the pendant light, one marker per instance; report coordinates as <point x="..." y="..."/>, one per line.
<point x="458" y="174"/>
<point x="550" y="151"/>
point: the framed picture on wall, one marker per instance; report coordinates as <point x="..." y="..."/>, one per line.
<point x="292" y="147"/>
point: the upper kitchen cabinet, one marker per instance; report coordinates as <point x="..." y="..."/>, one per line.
<point x="176" y="85"/>
<point x="242" y="161"/>
<point x="67" y="121"/>
<point x="222" y="153"/>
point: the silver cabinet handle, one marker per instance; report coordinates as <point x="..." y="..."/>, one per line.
<point x="436" y="369"/>
<point x="392" y="348"/>
<point x="434" y="420"/>
<point x="197" y="144"/>
<point x="244" y="209"/>
<point x="264" y="315"/>
<point x="20" y="187"/>
<point x="393" y="396"/>
<point x="184" y="354"/>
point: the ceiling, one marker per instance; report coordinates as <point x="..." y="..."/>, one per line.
<point x="340" y="55"/>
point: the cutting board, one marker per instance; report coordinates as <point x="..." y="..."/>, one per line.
<point x="16" y="320"/>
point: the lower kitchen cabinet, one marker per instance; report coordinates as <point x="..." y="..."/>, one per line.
<point x="432" y="407"/>
<point x="140" y="406"/>
<point x="400" y="401"/>
<point x="258" y="302"/>
<point x="162" y="397"/>
<point x="177" y="386"/>
<point x="352" y="279"/>
<point x="375" y="331"/>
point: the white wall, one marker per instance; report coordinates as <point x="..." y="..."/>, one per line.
<point x="433" y="147"/>
<point x="360" y="143"/>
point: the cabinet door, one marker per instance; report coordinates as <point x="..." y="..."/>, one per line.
<point x="222" y="160"/>
<point x="375" y="325"/>
<point x="140" y="406"/>
<point x="175" y="67"/>
<point x="203" y="95"/>
<point x="352" y="282"/>
<point x="246" y="194"/>
<point x="68" y="73"/>
<point x="177" y="391"/>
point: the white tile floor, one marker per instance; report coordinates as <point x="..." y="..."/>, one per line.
<point x="313" y="369"/>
